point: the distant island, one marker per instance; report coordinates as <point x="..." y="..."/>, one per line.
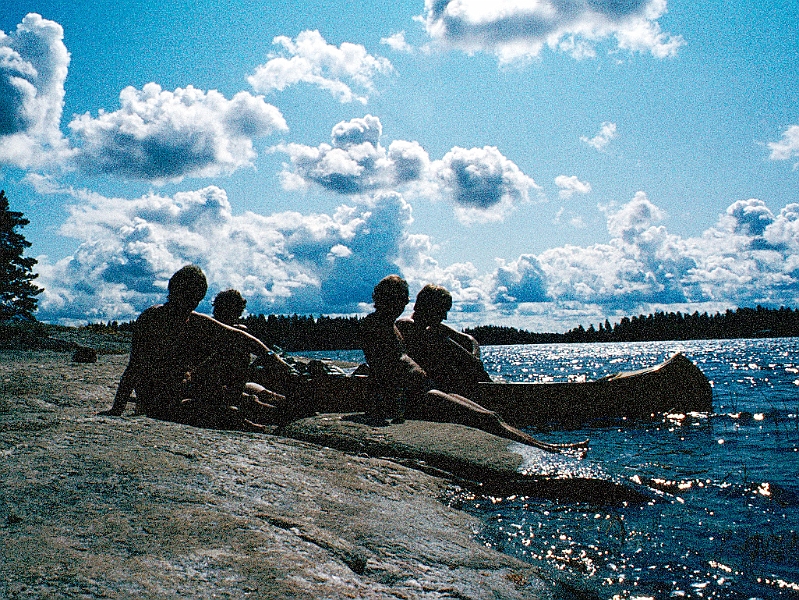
<point x="297" y="333"/>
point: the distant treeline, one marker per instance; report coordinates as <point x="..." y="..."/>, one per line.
<point x="296" y="333"/>
<point x="290" y="333"/>
<point x="740" y="323"/>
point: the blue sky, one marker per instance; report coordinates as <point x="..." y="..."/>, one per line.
<point x="551" y="163"/>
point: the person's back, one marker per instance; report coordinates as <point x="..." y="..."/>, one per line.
<point x="382" y="347"/>
<point x="392" y="374"/>
<point x="165" y="346"/>
<point x="450" y="358"/>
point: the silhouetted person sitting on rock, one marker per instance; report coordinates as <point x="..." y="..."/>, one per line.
<point x="401" y="388"/>
<point x="450" y="358"/>
<point x="172" y="352"/>
<point x="257" y="400"/>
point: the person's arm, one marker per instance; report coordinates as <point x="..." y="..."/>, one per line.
<point x="234" y="337"/>
<point x="386" y="355"/>
<point x="128" y="380"/>
<point x="467" y="341"/>
<point x="445" y="332"/>
<point x="462" y="350"/>
<point x="124" y="391"/>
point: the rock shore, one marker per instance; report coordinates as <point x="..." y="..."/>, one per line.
<point x="122" y="507"/>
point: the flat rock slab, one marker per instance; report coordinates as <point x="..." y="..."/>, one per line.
<point x="130" y="507"/>
<point x="472" y="457"/>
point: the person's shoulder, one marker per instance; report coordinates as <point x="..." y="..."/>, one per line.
<point x="465" y="336"/>
<point x="405" y="324"/>
<point x="374" y="323"/>
<point x="205" y="323"/>
<point x="445" y="329"/>
<point x="201" y="317"/>
<point x="151" y="314"/>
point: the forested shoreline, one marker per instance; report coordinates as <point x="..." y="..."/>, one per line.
<point x="660" y="326"/>
<point x="298" y="332"/>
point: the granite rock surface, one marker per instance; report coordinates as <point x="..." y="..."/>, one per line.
<point x="122" y="507"/>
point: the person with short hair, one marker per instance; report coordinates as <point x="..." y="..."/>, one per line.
<point x="258" y="402"/>
<point x="172" y="346"/>
<point x="401" y="388"/>
<point x="449" y="357"/>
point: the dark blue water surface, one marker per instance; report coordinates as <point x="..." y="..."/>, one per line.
<point x="728" y="526"/>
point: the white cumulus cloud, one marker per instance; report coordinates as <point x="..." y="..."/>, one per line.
<point x="355" y="162"/>
<point x="482" y="184"/>
<point x="515" y="29"/>
<point x="600" y="141"/>
<point x="570" y="185"/>
<point x="310" y="59"/>
<point x="161" y="135"/>
<point x="33" y="69"/>
<point x="788" y="146"/>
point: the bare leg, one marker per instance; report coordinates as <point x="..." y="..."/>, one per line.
<point x="260" y="404"/>
<point x="451" y="408"/>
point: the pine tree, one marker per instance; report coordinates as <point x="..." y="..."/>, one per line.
<point x="17" y="293"/>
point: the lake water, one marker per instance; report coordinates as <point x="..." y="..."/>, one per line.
<point x="729" y="524"/>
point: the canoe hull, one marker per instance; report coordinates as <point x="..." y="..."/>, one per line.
<point x="676" y="385"/>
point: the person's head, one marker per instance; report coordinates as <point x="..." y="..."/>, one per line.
<point x="390" y="295"/>
<point x="432" y="305"/>
<point x="228" y="306"/>
<point x="187" y="288"/>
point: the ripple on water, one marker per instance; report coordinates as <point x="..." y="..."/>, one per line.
<point x="727" y="526"/>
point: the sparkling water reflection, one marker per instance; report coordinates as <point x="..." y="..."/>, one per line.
<point x="729" y="527"/>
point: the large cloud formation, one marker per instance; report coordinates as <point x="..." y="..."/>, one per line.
<point x="749" y="257"/>
<point x="317" y="263"/>
<point x="161" y="135"/>
<point x="285" y="262"/>
<point x="514" y="29"/>
<point x="310" y="59"/>
<point x="33" y="69"/>
<point x="483" y="184"/>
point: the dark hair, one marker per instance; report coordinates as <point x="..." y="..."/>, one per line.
<point x="433" y="298"/>
<point x="229" y="302"/>
<point x="389" y="289"/>
<point x="188" y="281"/>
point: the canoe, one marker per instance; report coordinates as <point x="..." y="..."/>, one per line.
<point x="676" y="385"/>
